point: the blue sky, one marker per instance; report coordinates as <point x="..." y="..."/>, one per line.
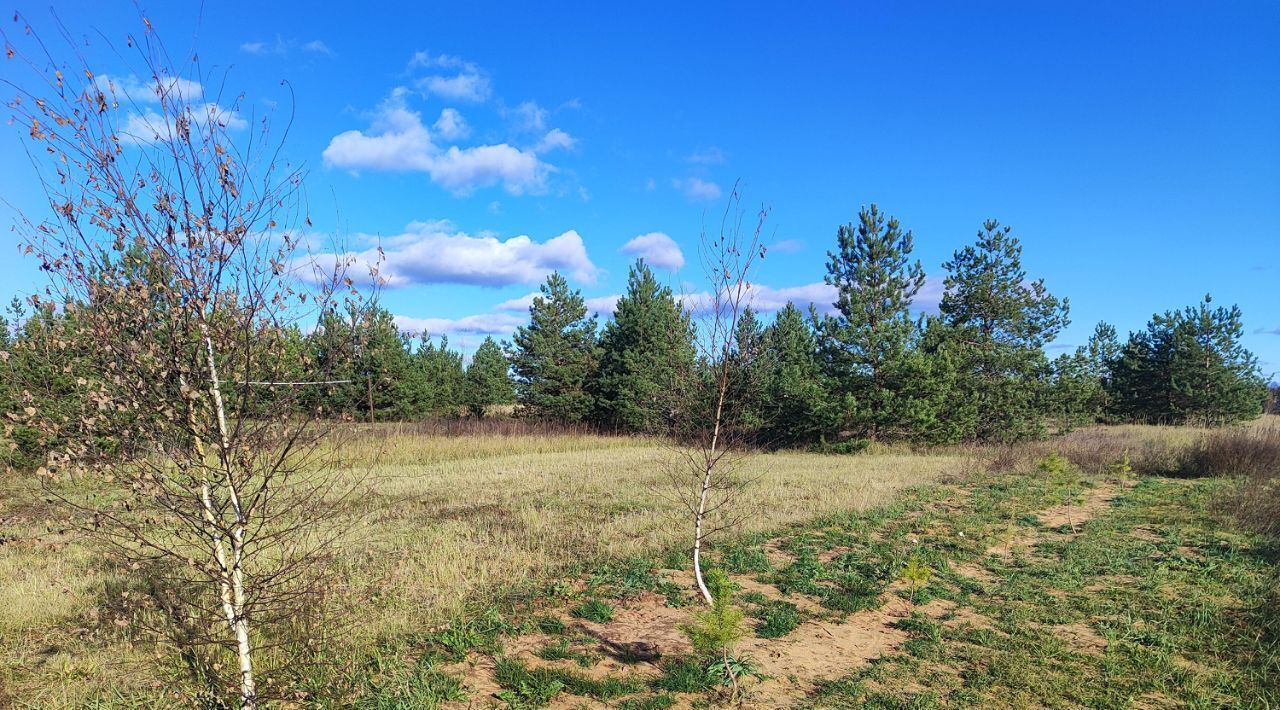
<point x="1134" y="147"/>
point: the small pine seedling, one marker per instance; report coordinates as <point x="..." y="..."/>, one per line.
<point x="916" y="574"/>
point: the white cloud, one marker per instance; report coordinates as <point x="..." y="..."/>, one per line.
<point x="554" y="139"/>
<point x="318" y="47"/>
<point x="482" y="324"/>
<point x="657" y="249"/>
<point x="523" y="303"/>
<point x="398" y="140"/>
<point x="599" y="305"/>
<point x="787" y="246"/>
<point x="603" y="305"/>
<point x="473" y="88"/>
<point x="767" y="299"/>
<point x="930" y="295"/>
<point x="451" y="126"/>
<point x="283" y="47"/>
<point x="697" y="188"/>
<point x="462" y="80"/>
<point x="462" y="170"/>
<point x="530" y="117"/>
<point x="146" y="125"/>
<point x="131" y="89"/>
<point x="435" y="253"/>
<point x="707" y="156"/>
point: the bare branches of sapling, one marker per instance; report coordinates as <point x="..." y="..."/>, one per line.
<point x="174" y="251"/>
<point x="711" y="434"/>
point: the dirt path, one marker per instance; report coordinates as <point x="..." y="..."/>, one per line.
<point x="645" y="630"/>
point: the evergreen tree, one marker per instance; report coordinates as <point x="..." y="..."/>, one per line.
<point x="870" y="359"/>
<point x="794" y="409"/>
<point x="555" y="356"/>
<point x="751" y="363"/>
<point x="488" y="380"/>
<point x="1002" y="322"/>
<point x="438" y="378"/>
<point x="1189" y="366"/>
<point x="647" y="357"/>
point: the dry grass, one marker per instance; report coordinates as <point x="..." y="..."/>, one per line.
<point x="441" y="534"/>
<point x="439" y="523"/>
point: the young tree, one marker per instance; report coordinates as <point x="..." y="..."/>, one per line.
<point x="1002" y="322"/>
<point x="871" y="340"/>
<point x="796" y="410"/>
<point x="1189" y="366"/>
<point x="646" y="352"/>
<point x="708" y="424"/>
<point x="438" y="378"/>
<point x="170" y="243"/>
<point x="554" y="357"/>
<point x="488" y="379"/>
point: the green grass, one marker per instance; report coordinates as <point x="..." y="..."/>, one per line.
<point x="1156" y="601"/>
<point x="595" y="610"/>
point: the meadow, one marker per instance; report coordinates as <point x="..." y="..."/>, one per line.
<point x="521" y="570"/>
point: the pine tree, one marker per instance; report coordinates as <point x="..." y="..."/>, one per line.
<point x="1002" y="322"/>
<point x="1189" y="366"/>
<point x="488" y="380"/>
<point x="647" y="357"/>
<point x="869" y="343"/>
<point x="751" y="363"/>
<point x="794" y="407"/>
<point x="555" y="356"/>
<point x="437" y="382"/>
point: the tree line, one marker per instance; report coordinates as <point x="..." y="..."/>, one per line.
<point x="871" y="370"/>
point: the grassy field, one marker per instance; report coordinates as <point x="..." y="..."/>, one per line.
<point x="527" y="571"/>
<point x="439" y="526"/>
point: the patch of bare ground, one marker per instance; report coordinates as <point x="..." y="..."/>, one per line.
<point x="1096" y="501"/>
<point x="1147" y="533"/>
<point x="819" y="650"/>
<point x="1081" y="638"/>
<point x="776" y="555"/>
<point x="479" y="673"/>
<point x="802" y="602"/>
<point x="976" y="572"/>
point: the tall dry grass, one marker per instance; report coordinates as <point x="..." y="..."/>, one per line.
<point x="440" y="523"/>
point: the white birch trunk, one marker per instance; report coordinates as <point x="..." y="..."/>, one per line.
<point x="232" y="586"/>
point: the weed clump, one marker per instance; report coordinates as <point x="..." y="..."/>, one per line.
<point x="595" y="610"/>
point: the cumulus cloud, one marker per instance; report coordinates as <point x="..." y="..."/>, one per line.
<point x="454" y="78"/>
<point x="697" y="189"/>
<point x="555" y="139"/>
<point x="657" y="249"/>
<point x="397" y="140"/>
<point x="451" y="126"/>
<point x="603" y="305"/>
<point x="500" y="324"/>
<point x="435" y="253"/>
<point x="145" y="124"/>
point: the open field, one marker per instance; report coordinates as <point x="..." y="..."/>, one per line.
<point x="523" y="570"/>
<point x="440" y="524"/>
